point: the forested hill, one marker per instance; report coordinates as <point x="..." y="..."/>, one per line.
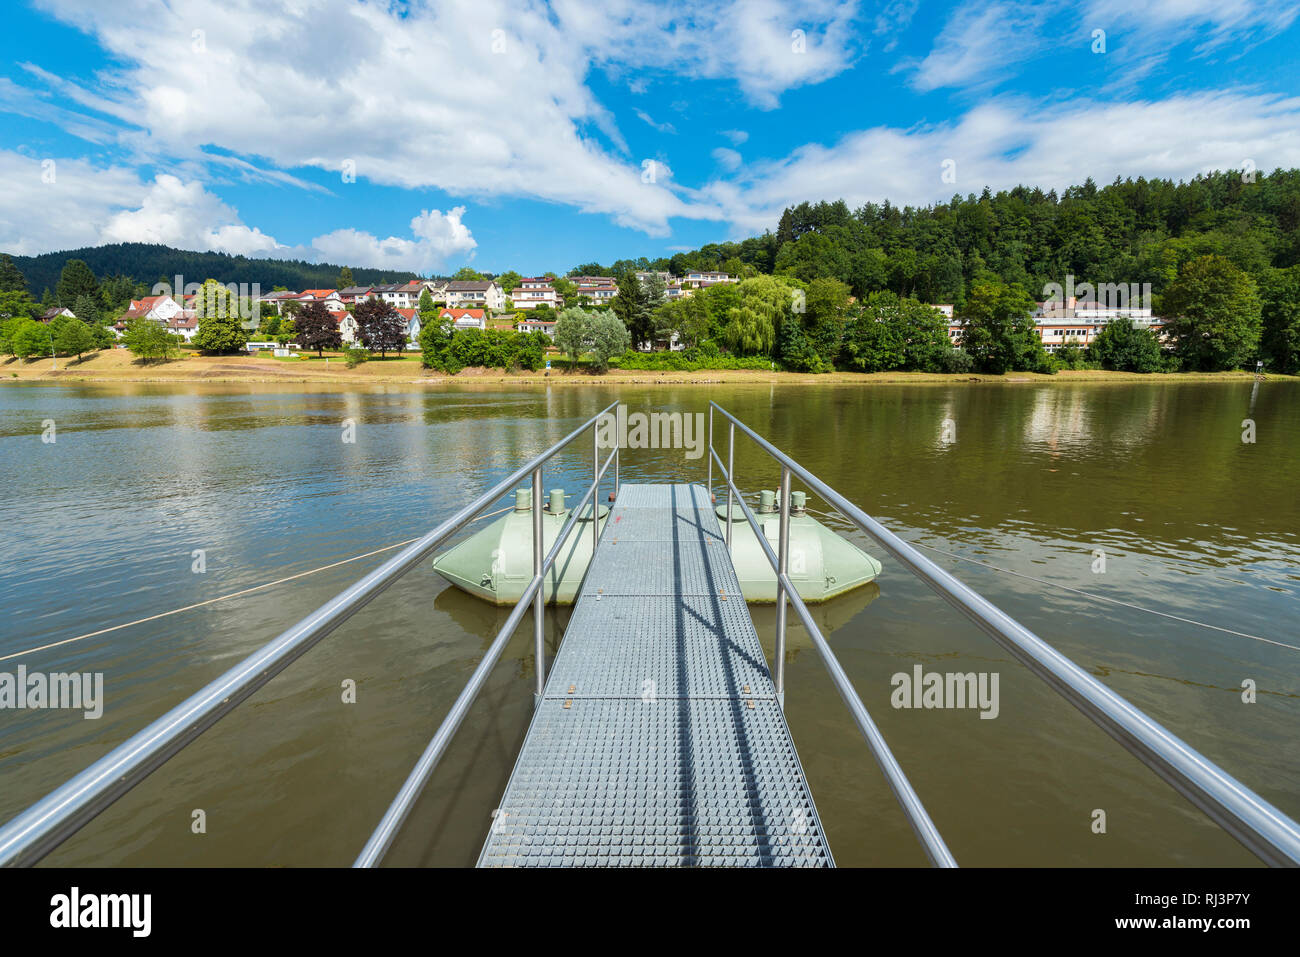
<point x="148" y="263"/>
<point x="1132" y="231"/>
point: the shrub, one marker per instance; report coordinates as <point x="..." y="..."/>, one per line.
<point x="956" y="361"/>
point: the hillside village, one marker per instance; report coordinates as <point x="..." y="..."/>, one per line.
<point x="531" y="305"/>
<point x="528" y="305"/>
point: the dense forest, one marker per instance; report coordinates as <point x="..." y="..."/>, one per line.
<point x="1221" y="254"/>
<point x="1139" y="231"/>
<point x="149" y="263"/>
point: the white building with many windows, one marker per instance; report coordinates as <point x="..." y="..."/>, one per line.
<point x="536" y="291"/>
<point x="486" y="294"/>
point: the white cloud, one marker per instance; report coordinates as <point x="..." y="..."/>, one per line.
<point x="175" y="213"/>
<point x="737" y="137"/>
<point x="988" y="40"/>
<point x="1011" y="141"/>
<point x="752" y="42"/>
<point x="318" y="82"/>
<point x="728" y="159"/>
<point x="980" y="42"/>
<point x="893" y="18"/>
<point x="86" y="205"/>
<point x="1215" y="22"/>
<point x="438" y="238"/>
<point x="645" y="118"/>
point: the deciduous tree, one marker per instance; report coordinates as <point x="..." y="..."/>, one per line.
<point x="1214" y="314"/>
<point x="316" y="328"/>
<point x="380" y="327"/>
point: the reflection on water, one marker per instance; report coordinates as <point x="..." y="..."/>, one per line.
<point x="101" y="526"/>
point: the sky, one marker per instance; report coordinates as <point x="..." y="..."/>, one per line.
<point x="531" y="136"/>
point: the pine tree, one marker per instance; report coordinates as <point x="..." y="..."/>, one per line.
<point x="11" y="278"/>
<point x="76" y="280"/>
<point x="85" y="310"/>
<point x="345" y="278"/>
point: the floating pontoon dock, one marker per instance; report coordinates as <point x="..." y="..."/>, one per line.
<point x="659" y="739"/>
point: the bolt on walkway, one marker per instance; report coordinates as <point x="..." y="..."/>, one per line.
<point x="659" y="740"/>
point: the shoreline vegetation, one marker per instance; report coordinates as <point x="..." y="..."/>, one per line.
<point x="118" y="365"/>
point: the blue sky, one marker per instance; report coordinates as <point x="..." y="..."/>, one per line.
<point x="536" y="136"/>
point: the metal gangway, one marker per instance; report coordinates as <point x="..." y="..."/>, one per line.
<point x="699" y="768"/>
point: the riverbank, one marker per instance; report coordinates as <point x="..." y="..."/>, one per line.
<point x="118" y="365"/>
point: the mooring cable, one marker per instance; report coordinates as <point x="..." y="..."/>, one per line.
<point x="237" y="594"/>
<point x="1092" y="595"/>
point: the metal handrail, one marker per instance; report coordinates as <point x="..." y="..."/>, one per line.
<point x="410" y="791"/>
<point x="1263" y="829"/>
<point x="64" y="811"/>
<point x="907" y="797"/>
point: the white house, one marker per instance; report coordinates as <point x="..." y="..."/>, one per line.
<point x="348" y="328"/>
<point x="599" y="289"/>
<point x="465" y="318"/>
<point x="412" y="317"/>
<point x="278" y="299"/>
<point x="487" y="294"/>
<point x="698" y="279"/>
<point x="158" y="308"/>
<point x="534" y="292"/>
<point x="329" y="298"/>
<point x="536" y="325"/>
<point x="184" y="324"/>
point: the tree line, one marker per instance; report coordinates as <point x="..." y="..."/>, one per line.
<point x="1221" y="254"/>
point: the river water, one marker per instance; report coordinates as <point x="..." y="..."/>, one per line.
<point x="102" y="525"/>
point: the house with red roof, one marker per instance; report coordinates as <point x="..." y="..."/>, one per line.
<point x="329" y="298"/>
<point x="465" y="318"/>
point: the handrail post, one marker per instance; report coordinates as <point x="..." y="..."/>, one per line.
<point x="731" y="476"/>
<point x="617" y="449"/>
<point x="595" y="495"/>
<point x="783" y="560"/>
<point x="710" y="486"/>
<point x="539" y="602"/>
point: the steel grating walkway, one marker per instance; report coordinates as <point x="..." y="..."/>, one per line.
<point x="659" y="740"/>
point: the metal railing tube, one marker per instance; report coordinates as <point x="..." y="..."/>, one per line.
<point x="574" y="512"/>
<point x="782" y="566"/>
<point x="917" y="816"/>
<point x="731" y="464"/>
<point x="907" y="797"/>
<point x="539" y="602"/>
<point x="61" y="813"/>
<point x="710" y="486"/>
<point x="750" y="517"/>
<point x="596" y="473"/>
<point x="1258" y="825"/>
<point x="397" y="812"/>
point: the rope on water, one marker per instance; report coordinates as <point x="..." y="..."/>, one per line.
<point x="213" y="601"/>
<point x="1094" y="596"/>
